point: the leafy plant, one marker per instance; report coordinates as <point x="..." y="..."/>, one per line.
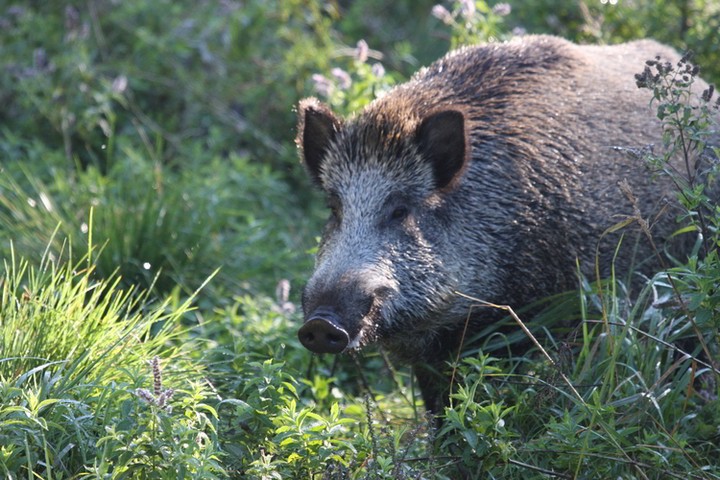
<point x="156" y="435"/>
<point x="690" y="123"/>
<point x="349" y="90"/>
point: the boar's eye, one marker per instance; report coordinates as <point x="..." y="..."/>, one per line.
<point x="396" y="210"/>
<point x="399" y="213"/>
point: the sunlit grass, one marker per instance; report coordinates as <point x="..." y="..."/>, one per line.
<point x="74" y="348"/>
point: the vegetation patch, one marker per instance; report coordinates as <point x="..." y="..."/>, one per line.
<point x="155" y="232"/>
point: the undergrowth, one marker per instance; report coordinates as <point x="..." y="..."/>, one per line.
<point x="75" y="350"/>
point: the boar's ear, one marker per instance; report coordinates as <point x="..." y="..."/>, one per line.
<point x="317" y="127"/>
<point x="442" y="140"/>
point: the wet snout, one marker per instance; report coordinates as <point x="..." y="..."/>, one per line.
<point x="322" y="333"/>
<point x="339" y="314"/>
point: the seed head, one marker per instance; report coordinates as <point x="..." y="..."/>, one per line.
<point x="467" y="8"/>
<point x="646" y="79"/>
<point x="157" y="376"/>
<point x="323" y="86"/>
<point x="378" y="70"/>
<point x="159" y="397"/>
<point x="145" y="395"/>
<point x="282" y="295"/>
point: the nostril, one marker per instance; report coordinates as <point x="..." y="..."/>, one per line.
<point x="320" y="335"/>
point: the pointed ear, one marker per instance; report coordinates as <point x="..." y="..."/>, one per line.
<point x="443" y="141"/>
<point x="317" y="127"/>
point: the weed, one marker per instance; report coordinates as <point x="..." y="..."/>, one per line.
<point x="690" y="125"/>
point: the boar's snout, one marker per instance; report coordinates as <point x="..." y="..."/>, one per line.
<point x="321" y="333"/>
<point x="343" y="312"/>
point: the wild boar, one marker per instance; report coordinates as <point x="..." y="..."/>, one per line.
<point x="491" y="173"/>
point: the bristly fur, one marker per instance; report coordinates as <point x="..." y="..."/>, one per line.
<point x="490" y="173"/>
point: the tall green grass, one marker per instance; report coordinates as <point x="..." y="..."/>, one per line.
<point x="74" y="350"/>
<point x="156" y="227"/>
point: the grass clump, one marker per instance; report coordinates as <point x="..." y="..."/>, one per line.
<point x="156" y="227"/>
<point x="74" y="354"/>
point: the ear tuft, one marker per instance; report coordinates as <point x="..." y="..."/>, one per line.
<point x="317" y="127"/>
<point x="443" y="141"/>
